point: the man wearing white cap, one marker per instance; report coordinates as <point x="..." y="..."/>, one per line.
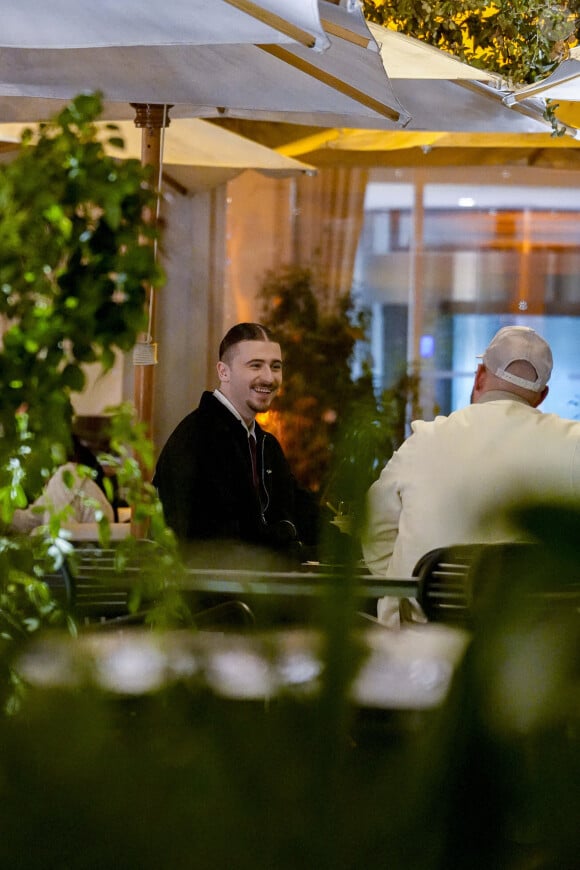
<point x="448" y="482"/>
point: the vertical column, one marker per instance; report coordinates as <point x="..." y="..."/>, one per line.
<point x="416" y="289"/>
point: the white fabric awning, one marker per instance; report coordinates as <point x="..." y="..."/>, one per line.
<point x="408" y="58"/>
<point x="197" y="154"/>
<point x="443" y="94"/>
<point x="562" y="84"/>
<point x="307" y="62"/>
<point x="249" y="71"/>
<point x="69" y="24"/>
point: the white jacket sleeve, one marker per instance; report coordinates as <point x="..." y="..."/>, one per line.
<point x="382" y="523"/>
<point x="85" y="497"/>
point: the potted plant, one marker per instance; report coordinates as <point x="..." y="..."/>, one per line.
<point x="337" y="432"/>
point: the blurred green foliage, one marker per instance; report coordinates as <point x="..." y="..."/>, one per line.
<point x="370" y="431"/>
<point x="77" y="258"/>
<point x="337" y="433"/>
<point x="182" y="777"/>
<point x="507" y="750"/>
<point x="318" y="338"/>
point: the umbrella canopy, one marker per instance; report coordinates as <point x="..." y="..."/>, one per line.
<point x="403" y="148"/>
<point x="210" y="59"/>
<point x="197" y="155"/>
<point x="458" y="113"/>
<point x="301" y="61"/>
<point x="562" y="84"/>
<point x="561" y="89"/>
<point x="207" y="58"/>
<point x="84" y="24"/>
<point x="273" y="59"/>
<point x="443" y="94"/>
<point x="409" y="58"/>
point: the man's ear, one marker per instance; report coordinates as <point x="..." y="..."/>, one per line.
<point x="479" y="382"/>
<point x="223" y="371"/>
<point x="480" y="374"/>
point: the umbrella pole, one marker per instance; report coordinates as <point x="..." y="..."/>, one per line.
<point x="151" y="119"/>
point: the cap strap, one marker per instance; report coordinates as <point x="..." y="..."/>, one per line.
<point x="535" y="386"/>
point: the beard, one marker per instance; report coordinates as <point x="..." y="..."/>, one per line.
<point x="261" y="402"/>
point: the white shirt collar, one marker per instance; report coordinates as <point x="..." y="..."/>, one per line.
<point x="225" y="401"/>
<point x="495" y="395"/>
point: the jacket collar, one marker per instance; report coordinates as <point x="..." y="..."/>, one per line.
<point x="251" y="430"/>
<point x="503" y="395"/>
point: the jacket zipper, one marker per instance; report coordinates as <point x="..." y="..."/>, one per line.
<point x="263" y="508"/>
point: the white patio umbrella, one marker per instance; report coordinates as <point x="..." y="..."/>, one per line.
<point x="453" y="106"/>
<point x="205" y="58"/>
<point x="210" y="60"/>
<point x="62" y="24"/>
<point x="197" y="155"/>
<point x="562" y="84"/>
<point x="302" y="61"/>
<point x="443" y="94"/>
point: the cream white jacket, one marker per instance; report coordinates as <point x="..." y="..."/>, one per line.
<point x="84" y="499"/>
<point x="450" y="479"/>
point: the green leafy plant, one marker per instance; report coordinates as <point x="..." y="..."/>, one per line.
<point x="522" y="40"/>
<point x="318" y="341"/>
<point x="337" y="432"/>
<point x="307" y="778"/>
<point x="131" y="457"/>
<point x="369" y="434"/>
<point x="76" y="260"/>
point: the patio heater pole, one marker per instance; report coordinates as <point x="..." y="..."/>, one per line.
<point x="151" y="119"/>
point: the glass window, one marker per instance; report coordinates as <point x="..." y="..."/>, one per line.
<point x="442" y="266"/>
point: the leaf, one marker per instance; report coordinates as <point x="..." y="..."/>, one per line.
<point x="116" y="142"/>
<point x="68" y="478"/>
<point x="18" y="496"/>
<point x="73" y="377"/>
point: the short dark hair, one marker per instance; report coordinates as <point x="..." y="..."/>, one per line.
<point x="244" y="332"/>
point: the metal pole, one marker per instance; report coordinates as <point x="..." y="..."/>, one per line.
<point x="151" y="119"/>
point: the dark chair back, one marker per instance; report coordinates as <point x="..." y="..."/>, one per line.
<point x="444" y="583"/>
<point x="96" y="585"/>
<point x="455" y="583"/>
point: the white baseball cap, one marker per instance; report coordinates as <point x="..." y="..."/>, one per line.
<point x="519" y="343"/>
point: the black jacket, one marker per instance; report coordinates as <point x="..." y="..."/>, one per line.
<point x="204" y="480"/>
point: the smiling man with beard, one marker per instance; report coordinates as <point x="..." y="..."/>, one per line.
<point x="220" y="476"/>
